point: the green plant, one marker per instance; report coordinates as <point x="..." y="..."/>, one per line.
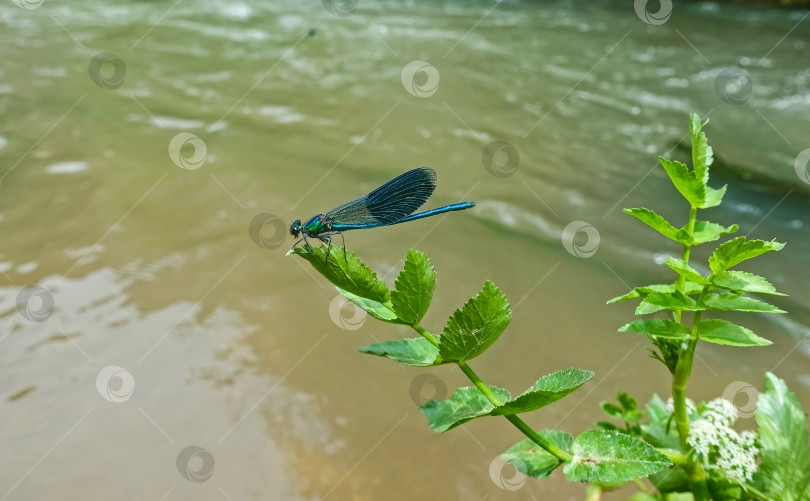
<point x="682" y="448"/>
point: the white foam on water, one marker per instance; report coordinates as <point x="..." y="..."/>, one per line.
<point x="70" y="167"/>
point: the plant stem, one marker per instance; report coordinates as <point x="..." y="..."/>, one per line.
<point x="427" y="335"/>
<point x="683" y="369"/>
<point x="514" y="419"/>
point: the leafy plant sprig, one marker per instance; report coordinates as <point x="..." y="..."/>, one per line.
<point x="683" y="448"/>
<point x="703" y="474"/>
<point x="600" y="456"/>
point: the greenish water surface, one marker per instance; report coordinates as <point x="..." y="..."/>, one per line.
<point x="244" y="352"/>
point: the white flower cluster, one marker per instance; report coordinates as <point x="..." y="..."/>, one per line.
<point x="713" y="438"/>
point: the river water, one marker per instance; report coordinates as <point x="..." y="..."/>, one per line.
<point x="141" y="141"/>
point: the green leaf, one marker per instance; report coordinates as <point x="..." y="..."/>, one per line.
<point x="672" y="480"/>
<point x="373" y="308"/>
<point x="628" y="402"/>
<point x="670" y="301"/>
<point x="411" y="351"/>
<point x="645" y="308"/>
<point x="783" y="441"/>
<point x="713" y="197"/>
<point x="738" y="250"/>
<point x="612" y="410"/>
<point x="643" y="292"/>
<point x="741" y="281"/>
<point x="706" y="231"/>
<point x="722" y="332"/>
<point x="656" y="222"/>
<point x="610" y="457"/>
<point x="692" y="189"/>
<point x="463" y="405"/>
<point x="534" y="461"/>
<point x="733" y="302"/>
<point x="348" y="274"/>
<point x="657" y="327"/>
<point x="670" y="351"/>
<point x="414" y="288"/>
<point x="546" y="390"/>
<point x="661" y="431"/>
<point x="607" y="426"/>
<point x="683" y="269"/>
<point x="702" y="155"/>
<point x="473" y="329"/>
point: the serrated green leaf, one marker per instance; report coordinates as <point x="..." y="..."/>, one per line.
<point x="645" y="308"/>
<point x="546" y="390"/>
<point x="657" y="327"/>
<point x="348" y="273"/>
<point x="783" y="441"/>
<point x="738" y="250"/>
<point x="534" y="461"/>
<point x="672" y="301"/>
<point x="373" y="308"/>
<point x="713" y="197"/>
<point x="741" y="281"/>
<point x="683" y="269"/>
<point x="411" y="351"/>
<point x="642" y="292"/>
<point x="702" y="155"/>
<point x="473" y="328"/>
<point x="685" y="181"/>
<point x="705" y="231"/>
<point x="414" y="288"/>
<point x="463" y="405"/>
<point x="733" y="302"/>
<point x="610" y="457"/>
<point x="722" y="332"/>
<point x="656" y="222"/>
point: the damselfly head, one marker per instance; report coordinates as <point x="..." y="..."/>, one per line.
<point x="295" y="228"/>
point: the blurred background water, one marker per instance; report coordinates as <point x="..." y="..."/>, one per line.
<point x="170" y="328"/>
